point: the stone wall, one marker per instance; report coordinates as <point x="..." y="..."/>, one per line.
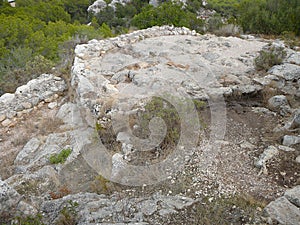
<point x="45" y="88"/>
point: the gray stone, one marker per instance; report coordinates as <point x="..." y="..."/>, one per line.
<point x="26" y="209"/>
<point x="296" y="120"/>
<point x="289" y="140"/>
<point x="246" y="89"/>
<point x="39" y="183"/>
<point x="286" y="71"/>
<point x="7" y="98"/>
<point x="70" y="114"/>
<point x="277" y="101"/>
<point x="99" y="5"/>
<point x="155" y="3"/>
<point x="52" y="105"/>
<point x="33" y="160"/>
<point x="26" y="105"/>
<point x="247" y="145"/>
<point x="94" y="208"/>
<point x="175" y="202"/>
<point x="268" y="154"/>
<point x="2" y="117"/>
<point x="285" y="148"/>
<point x="210" y="56"/>
<point x="298" y="159"/>
<point x="27" y="152"/>
<point x="283" y="212"/>
<point x="6" y="123"/>
<point x="293" y="58"/>
<point x="148" y="207"/>
<point x="293" y="195"/>
<point x="11" y="114"/>
<point x="9" y="198"/>
<point x="263" y="110"/>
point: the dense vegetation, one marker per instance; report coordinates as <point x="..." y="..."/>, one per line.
<point x="270" y="16"/>
<point x="39" y="35"/>
<point x="34" y="37"/>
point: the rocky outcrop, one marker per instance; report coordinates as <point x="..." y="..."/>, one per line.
<point x="95" y="209"/>
<point x="12" y="203"/>
<point x="99" y="5"/>
<point x="114" y="80"/>
<point x="286" y="209"/>
<point x="45" y="88"/>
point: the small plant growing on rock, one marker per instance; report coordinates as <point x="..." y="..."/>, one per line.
<point x="28" y="220"/>
<point x="60" y="157"/>
<point x="101" y="185"/>
<point x="63" y="191"/>
<point x="269" y="57"/>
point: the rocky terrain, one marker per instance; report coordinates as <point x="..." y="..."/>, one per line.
<point x="158" y="126"/>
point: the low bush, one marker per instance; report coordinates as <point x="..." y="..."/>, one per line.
<point x="269" y="57"/>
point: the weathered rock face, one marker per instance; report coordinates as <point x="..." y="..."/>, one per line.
<point x="113" y="80"/>
<point x="99" y="5"/>
<point x="285" y="210"/>
<point x="195" y="63"/>
<point x="45" y="88"/>
<point x="126" y="210"/>
<point x="11" y="202"/>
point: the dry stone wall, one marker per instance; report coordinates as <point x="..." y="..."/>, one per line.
<point x="45" y="88"/>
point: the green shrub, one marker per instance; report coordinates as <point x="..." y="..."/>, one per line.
<point x="269" y="57"/>
<point x="168" y="13"/>
<point x="269" y="16"/>
<point x="105" y="31"/>
<point x="60" y="157"/>
<point x="158" y="107"/>
<point x="214" y="23"/>
<point x="39" y="65"/>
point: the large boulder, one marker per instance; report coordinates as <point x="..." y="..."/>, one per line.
<point x="287" y="71"/>
<point x="285" y="210"/>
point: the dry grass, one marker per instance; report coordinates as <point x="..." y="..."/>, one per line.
<point x="49" y="125"/>
<point x="62" y="191"/>
<point x="269" y="91"/>
<point x="232" y="210"/>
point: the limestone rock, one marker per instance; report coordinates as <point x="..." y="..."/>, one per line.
<point x="6" y="122"/>
<point x="293" y="195"/>
<point x="93" y="208"/>
<point x="39" y="183"/>
<point x="296" y="120"/>
<point x="293" y="58"/>
<point x="9" y="198"/>
<point x="97" y="6"/>
<point x="283" y="211"/>
<point x="277" y="101"/>
<point x="268" y="154"/>
<point x="289" y="140"/>
<point x="7" y="98"/>
<point x="286" y="71"/>
<point x="52" y="105"/>
<point x="70" y="115"/>
<point x="2" y="117"/>
<point x="285" y="148"/>
<point x="27" y="152"/>
<point x="44" y="87"/>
